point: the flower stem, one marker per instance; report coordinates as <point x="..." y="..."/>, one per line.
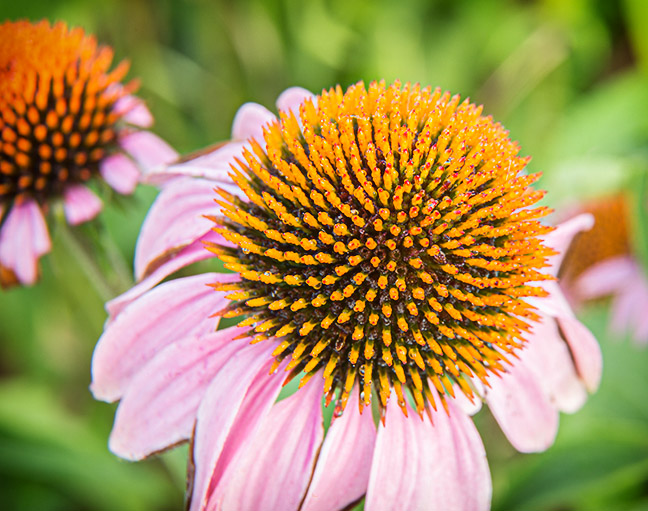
<point x="84" y="258"/>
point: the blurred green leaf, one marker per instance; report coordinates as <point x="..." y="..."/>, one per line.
<point x="41" y="441"/>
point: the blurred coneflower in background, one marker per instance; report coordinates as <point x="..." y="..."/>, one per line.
<point x="66" y="120"/>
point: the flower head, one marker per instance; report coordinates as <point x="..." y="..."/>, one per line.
<point x="383" y="241"/>
<point x="386" y="238"/>
<point x="63" y="116"/>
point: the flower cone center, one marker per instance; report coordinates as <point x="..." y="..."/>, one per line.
<point x="386" y="241"/>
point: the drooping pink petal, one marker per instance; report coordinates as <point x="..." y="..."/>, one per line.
<point x="285" y="446"/>
<point x="258" y="401"/>
<point x="522" y="409"/>
<point x="585" y="350"/>
<point x="609" y="276"/>
<point x="561" y="237"/>
<point x="582" y="344"/>
<point x="170" y="312"/>
<point x="218" y="411"/>
<point x="24" y="238"/>
<point x="249" y="122"/>
<point x="192" y="253"/>
<point x="342" y="470"/>
<point x="175" y="220"/>
<point x="291" y="98"/>
<point x="133" y="111"/>
<point x="80" y="204"/>
<point x="159" y="407"/>
<point x="549" y="359"/>
<point x="434" y="467"/>
<point x="148" y="150"/>
<point x="120" y="172"/>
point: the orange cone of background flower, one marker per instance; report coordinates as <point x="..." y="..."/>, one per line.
<point x="387" y="254"/>
<point x="65" y="120"/>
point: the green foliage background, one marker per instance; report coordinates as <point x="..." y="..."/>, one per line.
<point x="568" y="78"/>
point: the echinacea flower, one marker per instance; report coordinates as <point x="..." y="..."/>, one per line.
<point x="387" y="254"/>
<point x="602" y="262"/>
<point x="65" y="119"/>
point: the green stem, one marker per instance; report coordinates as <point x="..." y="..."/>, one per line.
<point x="123" y="274"/>
<point x="85" y="260"/>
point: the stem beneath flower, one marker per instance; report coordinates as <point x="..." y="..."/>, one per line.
<point x="85" y="259"/>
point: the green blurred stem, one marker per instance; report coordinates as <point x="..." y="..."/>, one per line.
<point x="119" y="266"/>
<point x="639" y="218"/>
<point x="85" y="260"/>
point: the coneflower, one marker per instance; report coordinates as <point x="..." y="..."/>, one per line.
<point x="65" y="120"/>
<point x="387" y="253"/>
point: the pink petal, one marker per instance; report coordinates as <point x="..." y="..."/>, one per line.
<point x="148" y="150"/>
<point x="434" y="467"/>
<point x="192" y="253"/>
<point x="547" y="356"/>
<point x="258" y="401"/>
<point x="212" y="164"/>
<point x="120" y="173"/>
<point x="218" y="411"/>
<point x="175" y="220"/>
<point x="523" y="411"/>
<point x="292" y="98"/>
<point x="159" y="406"/>
<point x="561" y="237"/>
<point x="555" y="304"/>
<point x="584" y="349"/>
<point x="134" y="111"/>
<point x="170" y="312"/>
<point x="249" y="122"/>
<point x="285" y="446"/>
<point x="623" y="309"/>
<point x="80" y="204"/>
<point x="464" y="404"/>
<point x="24" y="238"/>
<point x="342" y="470"/>
<point x="606" y="277"/>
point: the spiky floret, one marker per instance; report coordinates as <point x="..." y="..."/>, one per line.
<point x="387" y="240"/>
<point x="56" y="108"/>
